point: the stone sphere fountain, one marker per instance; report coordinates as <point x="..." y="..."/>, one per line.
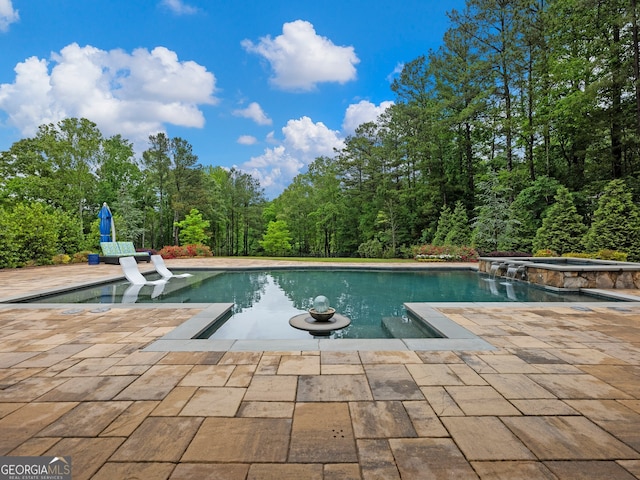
<point x="321" y="310"/>
<point x="323" y="319"/>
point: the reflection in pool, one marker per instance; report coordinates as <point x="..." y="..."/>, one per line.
<point x="373" y="299"/>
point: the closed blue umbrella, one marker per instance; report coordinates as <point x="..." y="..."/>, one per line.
<point x="107" y="228"/>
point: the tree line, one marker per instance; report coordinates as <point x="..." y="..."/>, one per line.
<point x="524" y="98"/>
<point x="56" y="182"/>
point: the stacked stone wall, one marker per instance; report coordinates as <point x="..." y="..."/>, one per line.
<point x="573" y="280"/>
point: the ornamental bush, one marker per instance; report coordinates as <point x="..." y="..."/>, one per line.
<point x="185" y="251"/>
<point x="505" y="253"/>
<point x="444" y="253"/>
<point x="611" y="255"/>
<point x="371" y="249"/>
<point x="61" y="259"/>
<point x="545" y="253"/>
<point x="81" y="257"/>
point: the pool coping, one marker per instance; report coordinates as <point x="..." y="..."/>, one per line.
<point x="181" y="338"/>
<point x="568" y="264"/>
<point x="184" y="337"/>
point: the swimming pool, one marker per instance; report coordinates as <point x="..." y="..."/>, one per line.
<point x="265" y="300"/>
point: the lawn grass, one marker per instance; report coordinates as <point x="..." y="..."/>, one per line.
<point x="333" y="259"/>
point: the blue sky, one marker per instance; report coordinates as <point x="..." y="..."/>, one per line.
<point x="265" y="86"/>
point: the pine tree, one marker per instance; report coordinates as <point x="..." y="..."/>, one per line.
<point x="492" y="223"/>
<point x="444" y="225"/>
<point x="562" y="227"/>
<point x="460" y="231"/>
<point x="616" y="222"/>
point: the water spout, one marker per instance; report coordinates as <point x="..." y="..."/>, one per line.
<point x="494" y="270"/>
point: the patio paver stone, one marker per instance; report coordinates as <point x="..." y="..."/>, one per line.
<point x="557" y="397"/>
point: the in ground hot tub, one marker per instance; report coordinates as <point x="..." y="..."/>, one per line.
<point x="564" y="272"/>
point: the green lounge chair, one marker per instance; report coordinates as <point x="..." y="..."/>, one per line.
<point x="112" y="251"/>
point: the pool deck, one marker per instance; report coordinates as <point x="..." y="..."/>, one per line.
<point x="557" y="398"/>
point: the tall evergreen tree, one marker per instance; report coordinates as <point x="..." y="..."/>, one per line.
<point x="491" y="225"/>
<point x="158" y="169"/>
<point x="460" y="230"/>
<point x="444" y="225"/>
<point x="616" y="222"/>
<point x="527" y="211"/>
<point x="562" y="227"/>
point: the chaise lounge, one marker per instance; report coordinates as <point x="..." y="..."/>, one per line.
<point x="112" y="251"/>
<point x="131" y="272"/>
<point x="161" y="268"/>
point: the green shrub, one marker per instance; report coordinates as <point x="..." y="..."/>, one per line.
<point x="61" y="259"/>
<point x="28" y="235"/>
<point x="578" y="255"/>
<point x="199" y="250"/>
<point x="371" y="249"/>
<point x="81" y="257"/>
<point x="605" y="254"/>
<point x="545" y="253"/>
<point x="612" y="255"/>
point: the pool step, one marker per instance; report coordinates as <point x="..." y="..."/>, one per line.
<point x="400" y="327"/>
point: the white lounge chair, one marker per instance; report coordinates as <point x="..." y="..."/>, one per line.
<point x="162" y="269"/>
<point x="130" y="295"/>
<point x="130" y="269"/>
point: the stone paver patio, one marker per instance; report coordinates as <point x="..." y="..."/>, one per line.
<point x="559" y="397"/>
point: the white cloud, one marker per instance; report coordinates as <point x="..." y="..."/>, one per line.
<point x="396" y="72"/>
<point x="8" y="15"/>
<point x="271" y="137"/>
<point x="275" y="168"/>
<point x="254" y="112"/>
<point x="132" y="94"/>
<point x="300" y="58"/>
<point x="179" y="7"/>
<point x="303" y="142"/>
<point x="362" y="112"/>
<point x="247" y="140"/>
<point x="310" y="139"/>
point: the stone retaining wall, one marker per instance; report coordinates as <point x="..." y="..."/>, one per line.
<point x="571" y="278"/>
<point x="577" y="280"/>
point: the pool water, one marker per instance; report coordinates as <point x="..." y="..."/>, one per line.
<point x="264" y="301"/>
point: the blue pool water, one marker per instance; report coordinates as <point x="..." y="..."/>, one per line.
<point x="265" y="300"/>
